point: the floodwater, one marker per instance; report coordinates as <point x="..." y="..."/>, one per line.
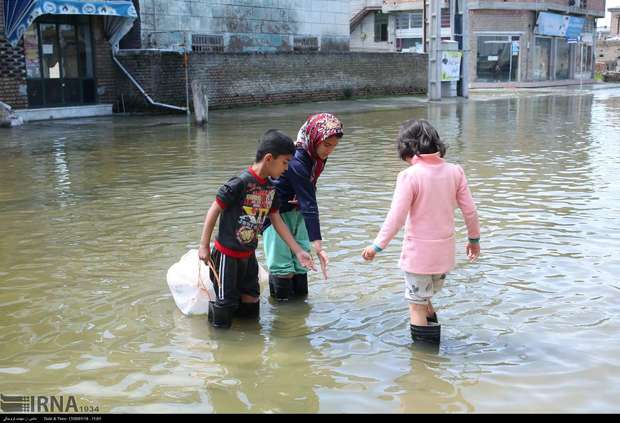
<point x="93" y="212"/>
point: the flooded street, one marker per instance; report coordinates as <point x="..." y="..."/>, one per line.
<point x="93" y="212"/>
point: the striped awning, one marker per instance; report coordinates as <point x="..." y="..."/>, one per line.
<point x="19" y="15"/>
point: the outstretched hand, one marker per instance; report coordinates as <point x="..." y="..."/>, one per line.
<point x="306" y="260"/>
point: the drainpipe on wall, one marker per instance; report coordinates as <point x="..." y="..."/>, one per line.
<point x="137" y="85"/>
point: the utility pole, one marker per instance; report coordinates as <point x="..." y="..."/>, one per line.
<point x="466" y="54"/>
<point x="433" y="8"/>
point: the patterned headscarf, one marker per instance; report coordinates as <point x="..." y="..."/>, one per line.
<point x="317" y="129"/>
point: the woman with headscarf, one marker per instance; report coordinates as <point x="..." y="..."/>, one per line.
<point x="296" y="191"/>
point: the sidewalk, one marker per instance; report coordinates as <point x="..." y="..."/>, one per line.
<point x="404" y="102"/>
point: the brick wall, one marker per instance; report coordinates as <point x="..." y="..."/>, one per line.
<point x="106" y="71"/>
<point x="12" y="70"/>
<point x="235" y="79"/>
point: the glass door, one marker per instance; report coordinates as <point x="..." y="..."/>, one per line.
<point x="542" y="59"/>
<point x="497" y="58"/>
<point x="59" y="62"/>
<point x="562" y="59"/>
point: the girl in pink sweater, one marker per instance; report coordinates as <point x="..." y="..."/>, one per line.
<point x="426" y="194"/>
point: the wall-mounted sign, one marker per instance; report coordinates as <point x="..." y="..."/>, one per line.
<point x="557" y="25"/>
<point x="451" y="65"/>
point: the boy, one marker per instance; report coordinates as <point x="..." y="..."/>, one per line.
<point x="244" y="202"/>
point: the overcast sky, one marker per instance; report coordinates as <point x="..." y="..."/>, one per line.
<point x="605" y="21"/>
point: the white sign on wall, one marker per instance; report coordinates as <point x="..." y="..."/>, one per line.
<point x="451" y="65"/>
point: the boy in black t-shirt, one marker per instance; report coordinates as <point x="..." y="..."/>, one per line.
<point x="244" y="202"/>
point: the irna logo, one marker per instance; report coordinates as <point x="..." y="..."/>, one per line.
<point x="37" y="404"/>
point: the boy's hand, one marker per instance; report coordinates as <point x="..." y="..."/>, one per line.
<point x="369" y="253"/>
<point x="306" y="260"/>
<point x="203" y="254"/>
<point x="473" y="251"/>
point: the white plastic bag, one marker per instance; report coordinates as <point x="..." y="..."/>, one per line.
<point x="190" y="284"/>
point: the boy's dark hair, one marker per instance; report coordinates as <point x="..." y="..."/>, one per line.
<point x="417" y="136"/>
<point x="275" y="142"/>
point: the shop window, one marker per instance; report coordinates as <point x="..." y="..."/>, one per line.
<point x="562" y="57"/>
<point x="31" y="51"/>
<point x="583" y="61"/>
<point x="542" y="59"/>
<point x="497" y="58"/>
<point x="381" y="27"/>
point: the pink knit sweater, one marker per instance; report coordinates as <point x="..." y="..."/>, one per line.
<point x="425" y="197"/>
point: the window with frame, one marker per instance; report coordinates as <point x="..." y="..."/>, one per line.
<point x="445" y="17"/>
<point x="381" y="27"/>
<point x="409" y="20"/>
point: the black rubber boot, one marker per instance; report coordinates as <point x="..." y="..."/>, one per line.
<point x="280" y="288"/>
<point x="220" y="316"/>
<point x="248" y="310"/>
<point x="432" y="319"/>
<point x="428" y="335"/>
<point x="300" y="285"/>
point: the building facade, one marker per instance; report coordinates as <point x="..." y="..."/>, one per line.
<point x="242" y="25"/>
<point x="510" y="41"/>
<point x="608" y="50"/>
<point x="378" y="25"/>
<point x="532" y="41"/>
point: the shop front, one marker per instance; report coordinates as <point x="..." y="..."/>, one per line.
<point x="563" y="47"/>
<point x="59" y="46"/>
<point x="529" y="47"/>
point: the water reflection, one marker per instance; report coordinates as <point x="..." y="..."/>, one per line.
<point x="268" y="366"/>
<point x="429" y="388"/>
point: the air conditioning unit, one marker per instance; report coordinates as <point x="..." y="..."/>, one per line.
<point x="207" y="43"/>
<point x="305" y="44"/>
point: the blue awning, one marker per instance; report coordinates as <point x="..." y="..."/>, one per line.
<point x="19" y="15"/>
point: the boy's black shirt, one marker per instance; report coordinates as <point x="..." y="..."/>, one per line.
<point x="247" y="200"/>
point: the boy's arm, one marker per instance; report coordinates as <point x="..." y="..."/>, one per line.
<point x="304" y="258"/>
<point x="207" y="230"/>
<point x="404" y="194"/>
<point x="470" y="215"/>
